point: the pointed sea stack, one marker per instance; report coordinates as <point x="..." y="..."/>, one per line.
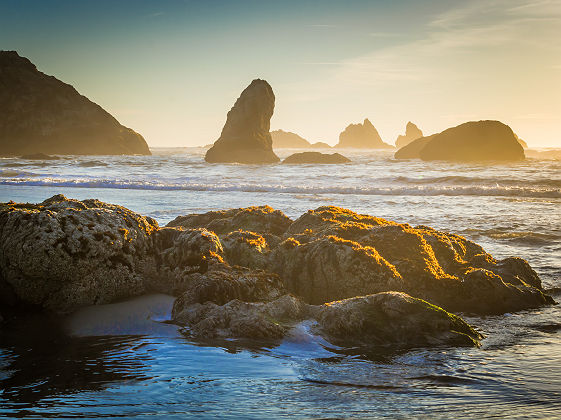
<point x="41" y="114"/>
<point x="412" y="132"/>
<point x="245" y="137"/>
<point x="362" y="136"/>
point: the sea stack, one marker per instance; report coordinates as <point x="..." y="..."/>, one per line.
<point x="41" y="114"/>
<point x="362" y="136"/>
<point x="412" y="132"/>
<point x="245" y="137"/>
<point x="472" y="141"/>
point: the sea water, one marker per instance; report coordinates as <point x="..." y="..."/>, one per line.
<point x="132" y="363"/>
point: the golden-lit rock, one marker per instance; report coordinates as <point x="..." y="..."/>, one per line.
<point x="261" y="219"/>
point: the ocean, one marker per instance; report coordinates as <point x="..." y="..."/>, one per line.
<point x="90" y="365"/>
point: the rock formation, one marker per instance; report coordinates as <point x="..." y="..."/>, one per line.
<point x="254" y="273"/>
<point x="362" y="136"/>
<point x="245" y="137"/>
<point x="412" y="132"/>
<point x="471" y="141"/>
<point x="41" y="114"/>
<point x="316" y="158"/>
<point x="288" y="140"/>
<point x="320" y="145"/>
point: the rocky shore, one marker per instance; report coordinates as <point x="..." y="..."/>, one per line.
<point x="254" y="273"/>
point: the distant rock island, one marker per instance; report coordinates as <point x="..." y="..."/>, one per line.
<point x="41" y="114"/>
<point x="245" y="137"/>
<point x="362" y="136"/>
<point x="412" y="132"/>
<point x="320" y="145"/>
<point x="316" y="157"/>
<point x="471" y="141"/>
<point x="287" y="140"/>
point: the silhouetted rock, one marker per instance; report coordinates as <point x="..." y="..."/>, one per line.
<point x="39" y="156"/>
<point x="320" y="145"/>
<point x="288" y="140"/>
<point x="471" y="141"/>
<point x="362" y="136"/>
<point x="316" y="158"/>
<point x="412" y="132"/>
<point x="245" y="137"/>
<point x="41" y="114"/>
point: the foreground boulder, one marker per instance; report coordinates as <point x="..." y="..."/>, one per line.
<point x="245" y="137"/>
<point x="255" y="273"/>
<point x="62" y="254"/>
<point x="332" y="253"/>
<point x="471" y="141"/>
<point x="412" y="132"/>
<point x="286" y="139"/>
<point x="362" y="136"/>
<point x="316" y="158"/>
<point x="41" y="114"/>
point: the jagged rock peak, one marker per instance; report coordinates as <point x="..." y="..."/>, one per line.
<point x="362" y="136"/>
<point x="412" y="132"/>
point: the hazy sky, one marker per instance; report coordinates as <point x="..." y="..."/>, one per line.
<point x="172" y="69"/>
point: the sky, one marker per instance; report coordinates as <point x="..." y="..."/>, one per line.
<point x="171" y="69"/>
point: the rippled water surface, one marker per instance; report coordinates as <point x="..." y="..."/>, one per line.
<point x="102" y="362"/>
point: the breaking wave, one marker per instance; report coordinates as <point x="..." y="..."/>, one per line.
<point x="404" y="190"/>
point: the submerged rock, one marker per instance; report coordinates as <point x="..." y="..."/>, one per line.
<point x="316" y="158"/>
<point x="41" y="114"/>
<point x="362" y="136"/>
<point x="245" y="137"/>
<point x="471" y="141"/>
<point x="412" y="132"/>
<point x="286" y="139"/>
